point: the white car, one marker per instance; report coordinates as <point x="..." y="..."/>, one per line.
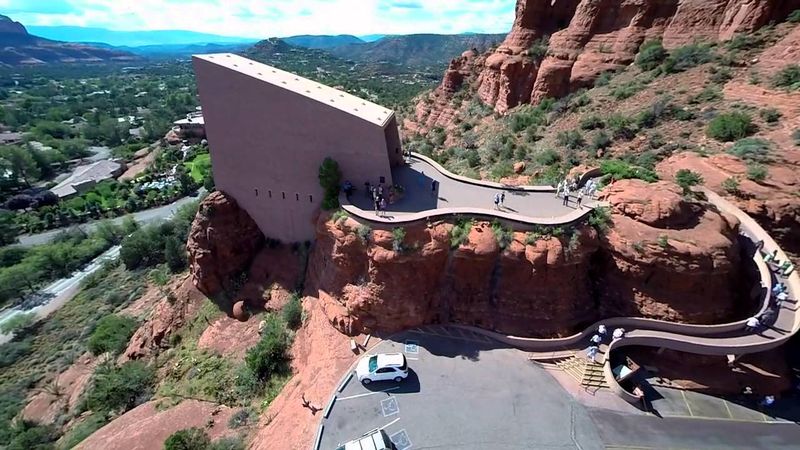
<point x="373" y="440"/>
<point x="382" y="367"/>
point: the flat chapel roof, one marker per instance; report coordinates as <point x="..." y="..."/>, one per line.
<point x="363" y="109"/>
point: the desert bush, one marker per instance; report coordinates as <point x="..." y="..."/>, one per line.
<point x="547" y="157"/>
<point x="31" y="436"/>
<point x="625" y="90"/>
<point x="620" y="170"/>
<point x="398" y="236"/>
<point x="686" y="57"/>
<point x="111" y="334"/>
<point x="13" y="351"/>
<point x="459" y="234"/>
<point x="731" y="186"/>
<point x="592" y="122"/>
<point x="501" y="170"/>
<point x="788" y="78"/>
<point x="118" y="389"/>
<point x="720" y="75"/>
<point x="770" y="115"/>
<point x="330" y="178"/>
<point x="730" y="126"/>
<point x="601" y="140"/>
<point x="18" y="322"/>
<point x="292" y="312"/>
<point x="503" y="235"/>
<point x="188" y="439"/>
<point x="473" y="158"/>
<point x="685" y="178"/>
<point x="600" y="219"/>
<point x="572" y="139"/>
<point x="539" y="47"/>
<point x="651" y="55"/>
<point x="364" y="232"/>
<point x="794" y="16"/>
<point x="708" y="94"/>
<point x="796" y="134"/>
<point x="756" y="172"/>
<point x="621" y="127"/>
<point x="241" y="418"/>
<point x="269" y="356"/>
<point x="604" y="79"/>
<point x="683" y="114"/>
<point x="339" y="215"/>
<point x="752" y="149"/>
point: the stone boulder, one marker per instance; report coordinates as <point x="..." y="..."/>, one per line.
<point x="222" y="242"/>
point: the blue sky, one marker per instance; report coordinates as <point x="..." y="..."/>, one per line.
<point x="266" y="18"/>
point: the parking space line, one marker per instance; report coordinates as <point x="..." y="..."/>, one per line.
<point x="389" y="424"/>
<point x="727" y="408"/>
<point x="683" y="394"/>
<point x="368" y="393"/>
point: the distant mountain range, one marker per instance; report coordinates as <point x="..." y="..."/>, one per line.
<point x="322" y="42"/>
<point x="133" y="38"/>
<point x="18" y="47"/>
<point x="417" y="49"/>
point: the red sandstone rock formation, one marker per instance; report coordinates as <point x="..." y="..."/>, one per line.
<point x="372" y="287"/>
<point x="588" y="37"/>
<point x="223" y="241"/>
<point x="666" y="258"/>
<point x="174" y="310"/>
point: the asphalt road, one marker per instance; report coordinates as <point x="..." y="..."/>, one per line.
<point x="142" y="217"/>
<point x="466" y="392"/>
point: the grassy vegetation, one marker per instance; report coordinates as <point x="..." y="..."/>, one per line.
<point x="199" y="167"/>
<point x="788" y="78"/>
<point x="111" y="334"/>
<point x="687" y="179"/>
<point x="502" y="234"/>
<point x="459" y="234"/>
<point x="752" y="149"/>
<point x="728" y="127"/>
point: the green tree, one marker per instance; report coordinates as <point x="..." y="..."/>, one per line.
<point x="174" y="254"/>
<point x="188" y="439"/>
<point x="111" y="334"/>
<point x="269" y="356"/>
<point x="8" y="229"/>
<point x="330" y="178"/>
<point x="651" y="55"/>
<point x="685" y="178"/>
<point x="21" y="164"/>
<point x="292" y="312"/>
<point x="731" y="126"/>
<point x="118" y="389"/>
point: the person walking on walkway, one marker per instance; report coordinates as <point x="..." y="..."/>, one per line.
<point x="596" y="339"/>
<point x="579" y="200"/>
<point x="601" y="330"/>
<point x="591" y="352"/>
<point x="566" y="196"/>
<point x="503" y="198"/>
<point x="497" y="201"/>
<point x="383" y="206"/>
<point x="752" y="324"/>
<point x="433" y="188"/>
<point x="618" y="333"/>
<point x="559" y="188"/>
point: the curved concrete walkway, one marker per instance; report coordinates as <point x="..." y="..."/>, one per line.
<point x="714" y="340"/>
<point x="457" y="195"/>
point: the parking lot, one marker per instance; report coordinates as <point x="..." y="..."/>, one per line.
<point x="463" y="391"/>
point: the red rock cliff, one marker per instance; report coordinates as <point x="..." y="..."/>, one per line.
<point x="664" y="258"/>
<point x="588" y="37"/>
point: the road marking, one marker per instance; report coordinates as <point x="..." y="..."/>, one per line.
<point x="389" y="406"/>
<point x="728" y="408"/>
<point x="683" y="394"/>
<point x="412" y="359"/>
<point x="389" y="424"/>
<point x="368" y="393"/>
<point x="679" y="416"/>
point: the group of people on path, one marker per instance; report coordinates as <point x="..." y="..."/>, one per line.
<point x="778" y="294"/>
<point x="381" y="197"/>
<point x="499" y="199"/>
<point x="567" y="188"/>
<point x="599" y="337"/>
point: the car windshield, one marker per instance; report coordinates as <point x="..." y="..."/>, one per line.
<point x="373" y="363"/>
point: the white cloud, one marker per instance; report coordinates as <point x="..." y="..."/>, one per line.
<point x="260" y="19"/>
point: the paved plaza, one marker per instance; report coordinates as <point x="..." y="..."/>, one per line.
<point x="417" y="178"/>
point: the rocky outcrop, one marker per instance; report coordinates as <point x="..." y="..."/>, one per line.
<point x="11" y="27"/>
<point x="179" y="303"/>
<point x="371" y="286"/>
<point x="667" y="258"/>
<point x="223" y="241"/>
<point x="664" y="258"/>
<point x="588" y="37"/>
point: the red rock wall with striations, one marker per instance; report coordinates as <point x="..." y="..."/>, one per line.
<point x="588" y="37"/>
<point x="664" y="258"/>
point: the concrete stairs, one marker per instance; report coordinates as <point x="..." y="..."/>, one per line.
<point x="585" y="372"/>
